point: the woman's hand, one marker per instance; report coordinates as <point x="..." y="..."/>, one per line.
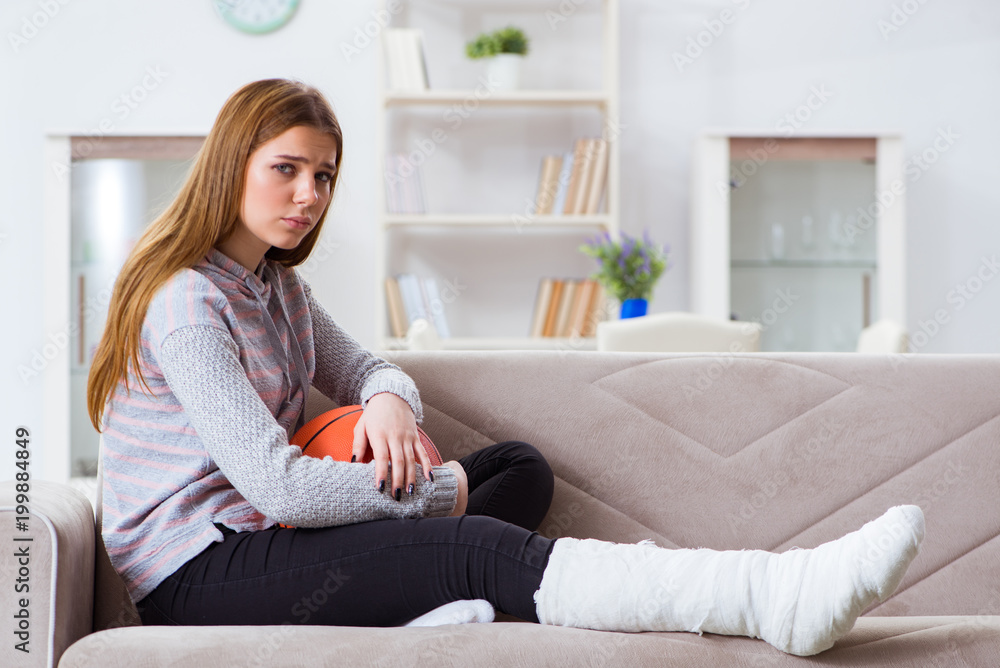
<point x="462" y="501"/>
<point x="389" y="427"/>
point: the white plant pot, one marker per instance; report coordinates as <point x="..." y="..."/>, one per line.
<point x="504" y="71"/>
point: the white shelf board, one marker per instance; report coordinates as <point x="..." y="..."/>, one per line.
<point x="504" y="343"/>
<point x="514" y="5"/>
<point x="484" y="98"/>
<point x="517" y="221"/>
<point x="774" y="133"/>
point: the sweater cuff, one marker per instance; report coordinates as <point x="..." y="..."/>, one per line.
<point x="445" y="494"/>
<point x="398" y="384"/>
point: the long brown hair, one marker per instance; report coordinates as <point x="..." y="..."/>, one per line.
<point x="205" y="213"/>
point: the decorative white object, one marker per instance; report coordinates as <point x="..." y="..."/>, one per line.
<point x="883" y="337"/>
<point x="504" y="71"/>
<point x="422" y="336"/>
<point x="406" y="67"/>
<point x="777" y="241"/>
<point x="807" y="232"/>
<point x="836" y="230"/>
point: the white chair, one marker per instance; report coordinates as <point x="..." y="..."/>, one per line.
<point x="884" y="336"/>
<point x="678" y="332"/>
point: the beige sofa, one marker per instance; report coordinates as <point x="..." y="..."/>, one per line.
<point x="724" y="451"/>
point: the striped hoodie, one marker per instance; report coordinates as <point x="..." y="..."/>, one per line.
<point x="229" y="355"/>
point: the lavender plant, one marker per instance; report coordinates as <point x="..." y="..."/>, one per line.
<point x="629" y="267"/>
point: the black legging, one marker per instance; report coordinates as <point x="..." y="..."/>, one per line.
<point x="381" y="573"/>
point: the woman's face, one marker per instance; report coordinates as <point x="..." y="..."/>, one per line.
<point x="288" y="185"/>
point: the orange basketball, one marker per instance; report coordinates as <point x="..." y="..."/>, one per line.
<point x="332" y="434"/>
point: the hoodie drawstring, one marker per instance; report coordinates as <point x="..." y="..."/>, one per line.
<point x="275" y="339"/>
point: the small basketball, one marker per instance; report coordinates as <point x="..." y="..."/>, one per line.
<point x="331" y="434"/>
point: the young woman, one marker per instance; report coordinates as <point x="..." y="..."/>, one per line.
<point x="201" y="377"/>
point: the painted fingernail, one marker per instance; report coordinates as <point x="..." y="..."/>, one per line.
<point x="399" y="493"/>
<point x="381" y="486"/>
<point x="409" y="490"/>
<point x="431" y="474"/>
<point x="354" y="458"/>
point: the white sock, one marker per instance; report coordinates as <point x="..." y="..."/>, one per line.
<point x="800" y="601"/>
<point x="456" y="612"/>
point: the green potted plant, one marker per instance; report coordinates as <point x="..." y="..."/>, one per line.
<point x="504" y="50"/>
<point x="629" y="269"/>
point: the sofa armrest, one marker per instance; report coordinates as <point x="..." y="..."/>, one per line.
<point x="47" y="563"/>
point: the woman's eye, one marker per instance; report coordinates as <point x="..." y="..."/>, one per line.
<point x="285" y="168"/>
<point x="325" y="177"/>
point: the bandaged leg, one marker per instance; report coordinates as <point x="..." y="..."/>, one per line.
<point x="800" y="601"/>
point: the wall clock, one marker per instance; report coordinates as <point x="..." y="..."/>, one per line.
<point x="256" y="16"/>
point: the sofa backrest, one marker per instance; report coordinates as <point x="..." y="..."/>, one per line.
<point x="756" y="450"/>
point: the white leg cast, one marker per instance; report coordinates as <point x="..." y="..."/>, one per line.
<point x="800" y="601"/>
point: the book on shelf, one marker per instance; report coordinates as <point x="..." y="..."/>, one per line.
<point x="563" y="186"/>
<point x="596" y="311"/>
<point x="434" y="306"/>
<point x="552" y="308"/>
<point x="398" y="322"/>
<point x="548" y="184"/>
<point x="576" y="176"/>
<point x="542" y="300"/>
<point x="413" y="303"/>
<point x="406" y="67"/>
<point x="566" y="307"/>
<point x="598" y="176"/>
<point x="409" y="298"/>
<point x="404" y="185"/>
<point x="584" y="154"/>
<point x="574" y="183"/>
<point x="580" y="308"/>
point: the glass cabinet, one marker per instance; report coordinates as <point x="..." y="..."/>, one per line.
<point x="803" y="235"/>
<point x="112" y="200"/>
<point x="100" y="194"/>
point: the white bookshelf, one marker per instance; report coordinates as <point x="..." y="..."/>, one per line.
<point x="478" y="231"/>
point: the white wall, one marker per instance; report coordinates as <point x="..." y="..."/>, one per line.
<point x="936" y="73"/>
<point x="70" y="76"/>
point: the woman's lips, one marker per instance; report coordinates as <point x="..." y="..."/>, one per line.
<point x="298" y="223"/>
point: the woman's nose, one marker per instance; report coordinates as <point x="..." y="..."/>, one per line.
<point x="305" y="193"/>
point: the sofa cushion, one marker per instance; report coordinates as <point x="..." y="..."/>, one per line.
<point x="875" y="641"/>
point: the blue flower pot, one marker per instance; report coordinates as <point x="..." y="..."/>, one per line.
<point x="633" y="308"/>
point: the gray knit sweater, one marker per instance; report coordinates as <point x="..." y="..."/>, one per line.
<point x="227" y="354"/>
